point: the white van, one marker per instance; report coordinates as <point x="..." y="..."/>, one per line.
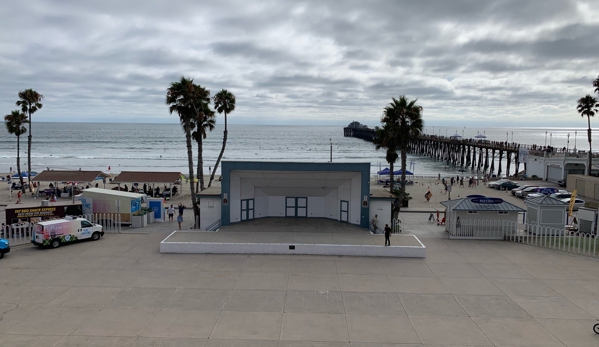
<point x="56" y="232"/>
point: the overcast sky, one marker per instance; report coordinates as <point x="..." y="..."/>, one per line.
<point x="510" y="63"/>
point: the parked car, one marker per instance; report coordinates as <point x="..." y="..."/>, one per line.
<point x="515" y="190"/>
<point x="578" y="203"/>
<point x="4" y="247"/>
<point x="507" y="185"/>
<point x="561" y="195"/>
<point x="524" y="192"/>
<point x="561" y="183"/>
<point x="534" y="195"/>
<point x="496" y="183"/>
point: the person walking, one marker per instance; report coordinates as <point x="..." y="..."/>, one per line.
<point x="171" y="213"/>
<point x="375" y="223"/>
<point x="181" y="208"/>
<point x="387" y="235"/>
<point x="19" y="195"/>
<point x="180" y="220"/>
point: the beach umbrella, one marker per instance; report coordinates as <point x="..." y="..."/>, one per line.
<point x="384" y="171"/>
<point x="398" y="172"/>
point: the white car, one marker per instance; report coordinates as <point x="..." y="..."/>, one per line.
<point x="578" y="203"/>
<point x="561" y="195"/>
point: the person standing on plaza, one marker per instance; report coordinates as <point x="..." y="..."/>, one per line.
<point x="375" y="223"/>
<point x="181" y="208"/>
<point x="387" y="235"/>
<point x="171" y="213"/>
<point x="180" y="220"/>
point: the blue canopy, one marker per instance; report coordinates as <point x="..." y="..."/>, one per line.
<point x="398" y="172"/>
<point x="384" y="171"/>
<point x="23" y="174"/>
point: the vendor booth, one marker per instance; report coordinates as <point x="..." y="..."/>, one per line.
<point x="546" y="216"/>
<point x="480" y="217"/>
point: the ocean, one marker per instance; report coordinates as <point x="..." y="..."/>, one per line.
<point x="161" y="147"/>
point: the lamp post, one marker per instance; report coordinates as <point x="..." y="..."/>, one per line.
<point x="550" y="138"/>
<point x="331" y="143"/>
<point x="575" y="131"/>
<point x="507" y="136"/>
<point x="512" y="137"/>
<point x="568" y="144"/>
<point x="545" y="138"/>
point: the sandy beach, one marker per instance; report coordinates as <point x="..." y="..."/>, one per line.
<point x="417" y="192"/>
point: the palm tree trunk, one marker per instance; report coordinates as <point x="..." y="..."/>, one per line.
<point x="194" y="202"/>
<point x="29" y="155"/>
<point x="590" y="156"/>
<point x="19" y="164"/>
<point x="200" y="163"/>
<point x="404" y="159"/>
<point x="391" y="177"/>
<point x="222" y="151"/>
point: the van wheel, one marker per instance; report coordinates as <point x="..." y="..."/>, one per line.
<point x="1" y="255"/>
<point x="55" y="243"/>
<point x="95" y="236"/>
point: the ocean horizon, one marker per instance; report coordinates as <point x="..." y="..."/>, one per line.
<point x="162" y="147"/>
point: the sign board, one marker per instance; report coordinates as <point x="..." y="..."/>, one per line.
<point x="487" y="200"/>
<point x="38" y="213"/>
<point x="522" y="154"/>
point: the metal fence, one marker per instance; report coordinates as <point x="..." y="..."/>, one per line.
<point x="20" y="234"/>
<point x="559" y="239"/>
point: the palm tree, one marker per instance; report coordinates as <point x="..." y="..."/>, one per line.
<point x="385" y="138"/>
<point x="15" y="124"/>
<point x="30" y="102"/>
<point x="596" y="84"/>
<point x="203" y="124"/>
<point x="201" y="108"/>
<point x="180" y="97"/>
<point x="224" y="102"/>
<point x="406" y="118"/>
<point x="587" y="106"/>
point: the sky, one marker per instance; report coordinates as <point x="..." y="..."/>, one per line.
<point x="469" y="63"/>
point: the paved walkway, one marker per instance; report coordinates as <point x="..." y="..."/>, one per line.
<point x="120" y="291"/>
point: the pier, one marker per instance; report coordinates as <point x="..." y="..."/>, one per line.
<point x="476" y="154"/>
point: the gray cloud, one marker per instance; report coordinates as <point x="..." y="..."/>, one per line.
<point x="317" y="61"/>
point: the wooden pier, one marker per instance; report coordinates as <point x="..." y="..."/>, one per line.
<point x="476" y="154"/>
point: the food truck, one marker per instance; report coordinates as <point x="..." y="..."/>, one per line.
<point x="105" y="201"/>
<point x="56" y="232"/>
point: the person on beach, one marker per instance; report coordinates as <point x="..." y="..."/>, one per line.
<point x="387" y="234"/>
<point x="375" y="223"/>
<point x="171" y="213"/>
<point x="181" y="208"/>
<point x="19" y="195"/>
<point x="428" y="195"/>
<point x="180" y="220"/>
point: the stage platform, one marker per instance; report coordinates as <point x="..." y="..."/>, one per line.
<point x="289" y="242"/>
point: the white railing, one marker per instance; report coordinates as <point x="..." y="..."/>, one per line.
<point x="558" y="239"/>
<point x="397" y="225"/>
<point x="20" y="234"/>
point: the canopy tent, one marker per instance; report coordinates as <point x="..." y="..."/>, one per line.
<point x="162" y="177"/>
<point x="24" y="174"/>
<point x="384" y="171"/>
<point x="68" y="176"/>
<point x="480" y="136"/>
<point x="455" y="136"/>
<point x="398" y="172"/>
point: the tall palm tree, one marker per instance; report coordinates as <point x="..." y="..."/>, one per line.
<point x="201" y="108"/>
<point x="30" y="101"/>
<point x="203" y="124"/>
<point x="386" y="138"/>
<point x="587" y="106"/>
<point x="180" y="97"/>
<point x="224" y="102"/>
<point x="596" y="84"/>
<point x="406" y="118"/>
<point x="15" y="124"/>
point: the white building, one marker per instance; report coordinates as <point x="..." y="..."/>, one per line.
<point x="249" y="190"/>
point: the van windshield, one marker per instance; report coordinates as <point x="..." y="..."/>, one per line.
<point x="86" y="224"/>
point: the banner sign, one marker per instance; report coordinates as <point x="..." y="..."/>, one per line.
<point x="35" y="212"/>
<point x="487" y="200"/>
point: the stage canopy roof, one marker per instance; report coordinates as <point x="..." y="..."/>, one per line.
<point x="145" y="176"/>
<point x="68" y="176"/>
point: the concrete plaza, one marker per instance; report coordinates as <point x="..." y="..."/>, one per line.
<point x="120" y="291"/>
